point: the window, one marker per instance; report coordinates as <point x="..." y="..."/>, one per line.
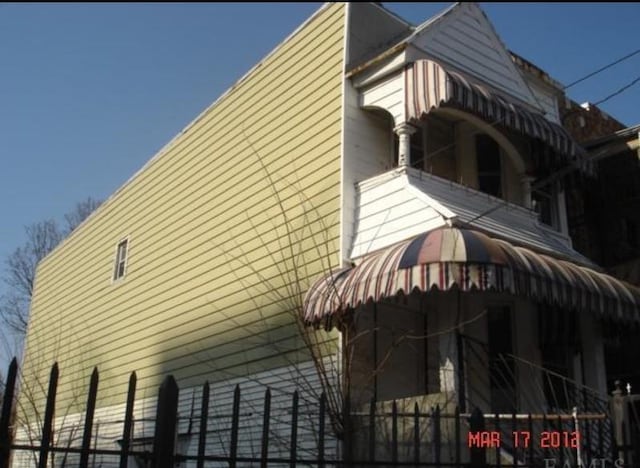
<point x="546" y="205"/>
<point x="489" y="168"/>
<point x="121" y="260"/>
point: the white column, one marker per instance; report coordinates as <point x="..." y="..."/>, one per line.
<point x="404" y="132"/>
<point x="595" y="375"/>
<point x="563" y="223"/>
<point x="526" y="181"/>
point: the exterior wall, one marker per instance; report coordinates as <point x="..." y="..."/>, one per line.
<point x="389" y="212"/>
<point x="388" y="94"/>
<point x="545" y="89"/>
<point x="109" y="422"/>
<point x="225" y="228"/>
<point x="547" y="102"/>
<point x="585" y="124"/>
<point x="372" y="30"/>
<point x="464" y="38"/>
<point x="368" y="151"/>
<point x="407" y="348"/>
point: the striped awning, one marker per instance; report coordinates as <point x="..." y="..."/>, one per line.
<point x="429" y="85"/>
<point x="470" y="261"/>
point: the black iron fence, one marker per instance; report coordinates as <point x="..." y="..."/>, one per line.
<point x="384" y="434"/>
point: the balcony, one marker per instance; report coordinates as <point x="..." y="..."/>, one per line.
<point x="405" y="202"/>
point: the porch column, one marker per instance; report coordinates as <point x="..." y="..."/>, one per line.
<point x="526" y="181"/>
<point x="593" y="354"/>
<point x="404" y="132"/>
<point x="563" y="223"/>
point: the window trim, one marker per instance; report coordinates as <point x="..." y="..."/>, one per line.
<point x="115" y="266"/>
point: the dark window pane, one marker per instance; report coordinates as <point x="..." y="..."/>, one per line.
<point x="488" y="163"/>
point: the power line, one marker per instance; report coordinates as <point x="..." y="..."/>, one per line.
<point x="624" y="88"/>
<point x="602" y="69"/>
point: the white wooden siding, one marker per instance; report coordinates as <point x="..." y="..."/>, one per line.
<point x="403" y="203"/>
<point x="368" y="151"/>
<point x="465" y="38"/>
<point x="387" y="213"/>
<point x="108" y="421"/>
<point x="547" y="101"/>
<point x="388" y="95"/>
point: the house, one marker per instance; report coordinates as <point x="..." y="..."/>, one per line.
<point x="384" y="185"/>
<point x="616" y="206"/>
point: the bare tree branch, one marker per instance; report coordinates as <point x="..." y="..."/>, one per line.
<point x="81" y="212"/>
<point x="20" y="266"/>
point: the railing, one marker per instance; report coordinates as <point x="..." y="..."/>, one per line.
<point x="395" y="433"/>
<point x="545" y="389"/>
<point x="565" y="406"/>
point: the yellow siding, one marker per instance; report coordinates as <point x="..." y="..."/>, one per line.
<point x="245" y="196"/>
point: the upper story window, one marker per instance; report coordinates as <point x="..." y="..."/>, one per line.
<point x="489" y="165"/>
<point x="120" y="266"/>
<point x="546" y="204"/>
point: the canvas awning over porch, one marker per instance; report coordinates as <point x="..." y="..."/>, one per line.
<point x="469" y="260"/>
<point x="429" y="85"/>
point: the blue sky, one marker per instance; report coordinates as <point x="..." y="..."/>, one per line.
<point x="89" y="93"/>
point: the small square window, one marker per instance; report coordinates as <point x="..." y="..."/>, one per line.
<point x="121" y="260"/>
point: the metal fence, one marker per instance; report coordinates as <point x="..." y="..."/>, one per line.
<point x="384" y="434"/>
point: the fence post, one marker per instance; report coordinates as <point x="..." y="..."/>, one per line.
<point x="5" y="415"/>
<point x="235" y="423"/>
<point x="266" y="419"/>
<point x="348" y="429"/>
<point x="437" y="434"/>
<point x="372" y="430"/>
<point x="294" y="430"/>
<point x="48" y="417"/>
<point x="477" y="454"/>
<point x="618" y="415"/>
<point x="323" y="401"/>
<point x="416" y="433"/>
<point x="394" y="432"/>
<point x="88" y="420"/>
<point x="166" y="417"/>
<point x="128" y="420"/>
<point x="204" y="421"/>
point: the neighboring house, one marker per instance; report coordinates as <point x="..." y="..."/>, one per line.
<point x="385" y="173"/>
<point x="603" y="205"/>
<point x="610" y="228"/>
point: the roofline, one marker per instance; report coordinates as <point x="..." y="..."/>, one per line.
<point x="434" y="19"/>
<point x="545" y="78"/>
<point x="625" y="133"/>
<point x="401" y="45"/>
<point x="391" y="13"/>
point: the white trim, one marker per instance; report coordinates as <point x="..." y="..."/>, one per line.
<point x="120" y="279"/>
<point x="343" y="116"/>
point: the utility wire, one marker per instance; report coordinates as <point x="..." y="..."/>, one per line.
<point x="602" y="69"/>
<point x="624" y="88"/>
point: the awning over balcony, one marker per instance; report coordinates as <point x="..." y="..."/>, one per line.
<point x="430" y="85"/>
<point x="469" y="260"/>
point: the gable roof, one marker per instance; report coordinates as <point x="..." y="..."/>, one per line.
<point x="464" y="38"/>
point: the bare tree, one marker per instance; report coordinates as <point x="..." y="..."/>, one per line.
<point x="20" y="266"/>
<point x="81" y="212"/>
